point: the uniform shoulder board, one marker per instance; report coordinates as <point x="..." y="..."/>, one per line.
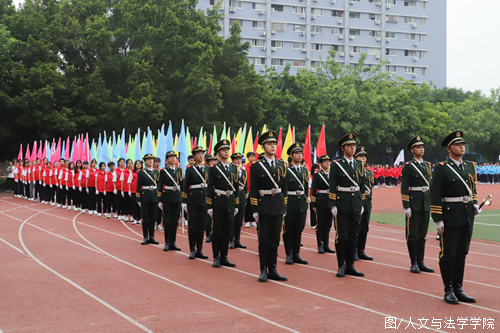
<point x="441" y="163"/>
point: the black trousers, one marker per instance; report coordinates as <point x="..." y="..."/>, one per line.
<point x="159" y="216"/>
<point x="64" y="196"/>
<point x="346" y="239"/>
<point x="110" y="202"/>
<point x="222" y="228"/>
<point x="92" y="199"/>
<point x="20" y="188"/>
<point x="268" y="231"/>
<point x="149" y="211"/>
<point x="136" y="210"/>
<point x="117" y="202"/>
<point x="197" y="219"/>
<point x="363" y="231"/>
<point x="101" y="203"/>
<point x="84" y="199"/>
<point x="292" y="231"/>
<point x="73" y="196"/>
<point x="312" y="216"/>
<point x="238" y="222"/>
<point x="27" y="190"/>
<point x="248" y="211"/>
<point x="417" y="225"/>
<point x="324" y="226"/>
<point x="127" y="204"/>
<point x="455" y="243"/>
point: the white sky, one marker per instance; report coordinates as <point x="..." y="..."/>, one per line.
<point x="473" y="47"/>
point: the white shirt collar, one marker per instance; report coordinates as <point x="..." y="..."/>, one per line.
<point x="456" y="162"/>
<point x="224" y="165"/>
<point x="348" y="160"/>
<point x="269" y="160"/>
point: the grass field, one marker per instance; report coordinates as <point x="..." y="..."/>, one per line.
<point x="486" y="225"/>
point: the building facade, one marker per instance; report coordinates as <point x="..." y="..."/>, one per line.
<point x="409" y="34"/>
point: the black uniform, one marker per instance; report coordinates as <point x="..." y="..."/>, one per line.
<point x="147" y="195"/>
<point x="320" y="200"/>
<point x="238" y="219"/>
<point x="169" y="190"/>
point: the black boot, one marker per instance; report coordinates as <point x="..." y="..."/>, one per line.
<point x="224" y="261"/>
<point x="167" y="245"/>
<point x="173" y="235"/>
<point x="287" y="242"/>
<point x="231" y="245"/>
<point x="350" y="269"/>
<point x="361" y="246"/>
<point x="192" y="243"/>
<point x="216" y="263"/>
<point x="298" y="260"/>
<point x="296" y="249"/>
<point x="199" y="247"/>
<point x="356" y="258"/>
<point x="412" y="251"/>
<point x="320" y="249"/>
<point x="237" y="244"/>
<point x="263" y="260"/>
<point x="326" y="242"/>
<point x="152" y="240"/>
<point x="144" y="241"/>
<point x="458" y="278"/>
<point x="420" y="257"/>
<point x="273" y="272"/>
<point x="319" y="240"/>
<point x="216" y="246"/>
<point x="168" y="238"/>
<point x="340" y="247"/>
<point x="447" y="276"/>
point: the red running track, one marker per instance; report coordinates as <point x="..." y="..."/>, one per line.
<point x="63" y="271"/>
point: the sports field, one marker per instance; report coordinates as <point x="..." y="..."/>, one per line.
<point x="62" y="271"/>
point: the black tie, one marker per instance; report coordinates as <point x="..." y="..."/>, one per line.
<point x="350" y="164"/>
<point x="461" y="167"/>
<point x="272" y="164"/>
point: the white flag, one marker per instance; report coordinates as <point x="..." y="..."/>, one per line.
<point x="401" y="157"/>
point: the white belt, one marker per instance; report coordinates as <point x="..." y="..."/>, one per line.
<point x="226" y="193"/>
<point x="149" y="188"/>
<point x="202" y="185"/>
<point x="270" y="192"/>
<point x="242" y="188"/>
<point x="296" y="193"/>
<point x="171" y="188"/>
<point x="465" y="199"/>
<point x="324" y="191"/>
<point x="348" y="189"/>
<point x="420" y="188"/>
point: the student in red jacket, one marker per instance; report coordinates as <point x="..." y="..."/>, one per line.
<point x="125" y="181"/>
<point x="69" y="177"/>
<point x="111" y="190"/>
<point x="119" y="193"/>
<point x="90" y="185"/>
<point x="84" y="195"/>
<point x="100" y="190"/>
<point x="46" y="183"/>
<point x="62" y="193"/>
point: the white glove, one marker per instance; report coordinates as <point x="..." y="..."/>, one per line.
<point x="185" y="207"/>
<point x="87" y="189"/>
<point x="362" y="210"/>
<point x="408" y="212"/>
<point x="210" y="212"/>
<point x="139" y="203"/>
<point x="115" y="191"/>
<point x="129" y="194"/>
<point x="334" y="211"/>
<point x="79" y="189"/>
<point x="50" y="185"/>
<point x="256" y="217"/>
<point x="39" y="182"/>
<point x="17" y="180"/>
<point x="477" y="210"/>
<point x="440" y="227"/>
<point x="44" y="185"/>
<point x="236" y="210"/>
<point x="61" y="187"/>
<point x="104" y="192"/>
<point x="67" y="188"/>
<point x="160" y="205"/>
<point x="96" y="192"/>
<point x="123" y="194"/>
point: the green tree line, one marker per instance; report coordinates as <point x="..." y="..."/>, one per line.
<point x="69" y="67"/>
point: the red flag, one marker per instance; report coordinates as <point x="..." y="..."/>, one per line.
<point x="210" y="146"/>
<point x="321" y="146"/>
<point x="256" y="144"/>
<point x="28" y="155"/>
<point x="195" y="142"/>
<point x="307" y="149"/>
<point x="233" y="145"/>
<point x="279" y="148"/>
<point x="20" y="155"/>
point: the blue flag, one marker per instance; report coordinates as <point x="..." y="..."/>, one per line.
<point x="182" y="147"/>
<point x="169" y="140"/>
<point x="138" y="145"/>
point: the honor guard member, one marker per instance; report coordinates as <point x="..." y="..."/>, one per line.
<point x="268" y="198"/>
<point x="361" y="155"/>
<point x="210" y="161"/>
<point x="320" y="195"/>
<point x="415" y="193"/>
<point x="194" y="202"/>
<point x="297" y="178"/>
<point x="169" y="190"/>
<point x="222" y="202"/>
<point x="453" y="207"/>
<point x="147" y="198"/>
<point x="242" y="194"/>
<point x="347" y="182"/>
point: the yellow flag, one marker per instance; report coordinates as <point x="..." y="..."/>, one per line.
<point x="175" y="142"/>
<point x="259" y="147"/>
<point x="248" y="144"/>
<point x="238" y="138"/>
<point x="288" y="143"/>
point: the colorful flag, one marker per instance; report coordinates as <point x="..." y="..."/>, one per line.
<point x="248" y="145"/>
<point x="20" y="155"/>
<point x="288" y="143"/>
<point x="307" y="149"/>
<point x="321" y="146"/>
<point x="169" y="138"/>
<point x="279" y="148"/>
<point x="182" y="147"/>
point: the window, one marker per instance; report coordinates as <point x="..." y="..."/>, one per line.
<point x="422" y="38"/>
<point x="315" y="63"/>
<point x="411" y="37"/>
<point x="299" y="63"/>
<point x="212" y="2"/>
<point x="410" y="20"/>
<point x="317" y="47"/>
<point x="422" y="21"/>
<point x="298" y="27"/>
<point x="410" y="53"/>
<point x="374" y="33"/>
<point x="392" y="18"/>
<point x="258" y="42"/>
<point x="354" y="15"/>
<point x="422" y="71"/>
<point x="355" y="49"/>
<point x="391" y="68"/>
<point x="422" y="54"/>
<point x="259" y="6"/>
<point x="236" y="4"/>
<point x="277" y="44"/>
<point x="277" y="62"/>
<point x="278" y="26"/>
<point x="298" y="46"/>
<point x="410" y="70"/>
<point x="354" y="32"/>
<point x="374" y="17"/>
<point x="412" y="3"/>
<point x="391" y="2"/>
<point x="258" y="24"/>
<point x="277" y="8"/>
<point x="422" y="4"/>
<point x="374" y="51"/>
<point x="337" y="31"/>
<point x="317" y="29"/>
<point x="258" y="61"/>
<point x="233" y="21"/>
<point x="317" y="11"/>
<point x="391" y="52"/>
<point x="299" y="10"/>
<point x="337" y="13"/>
<point x="390" y="34"/>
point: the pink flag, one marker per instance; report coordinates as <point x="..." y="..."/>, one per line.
<point x="39" y="153"/>
<point x="20" y="155"/>
<point x="87" y="148"/>
<point x="66" y="152"/>
<point x="321" y="146"/>
<point x="44" y="152"/>
<point x="279" y="148"/>
<point x="57" y="154"/>
<point x="33" y="152"/>
<point x="28" y="155"/>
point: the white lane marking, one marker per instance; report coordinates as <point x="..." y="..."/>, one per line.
<point x="491" y="225"/>
<point x="179" y="284"/>
<point x="12" y="246"/>
<point x="85" y="291"/>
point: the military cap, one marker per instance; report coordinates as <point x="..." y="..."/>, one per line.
<point x="360" y="151"/>
<point x="148" y="156"/>
<point x="416" y="141"/>
<point x="236" y="155"/>
<point x="324" y="158"/>
<point x="269" y="136"/>
<point x="347" y="139"/>
<point x="210" y="158"/>
<point x="222" y="144"/>
<point x="170" y="153"/>
<point x="294" y="148"/>
<point x="197" y="149"/>
<point x="452" y="138"/>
